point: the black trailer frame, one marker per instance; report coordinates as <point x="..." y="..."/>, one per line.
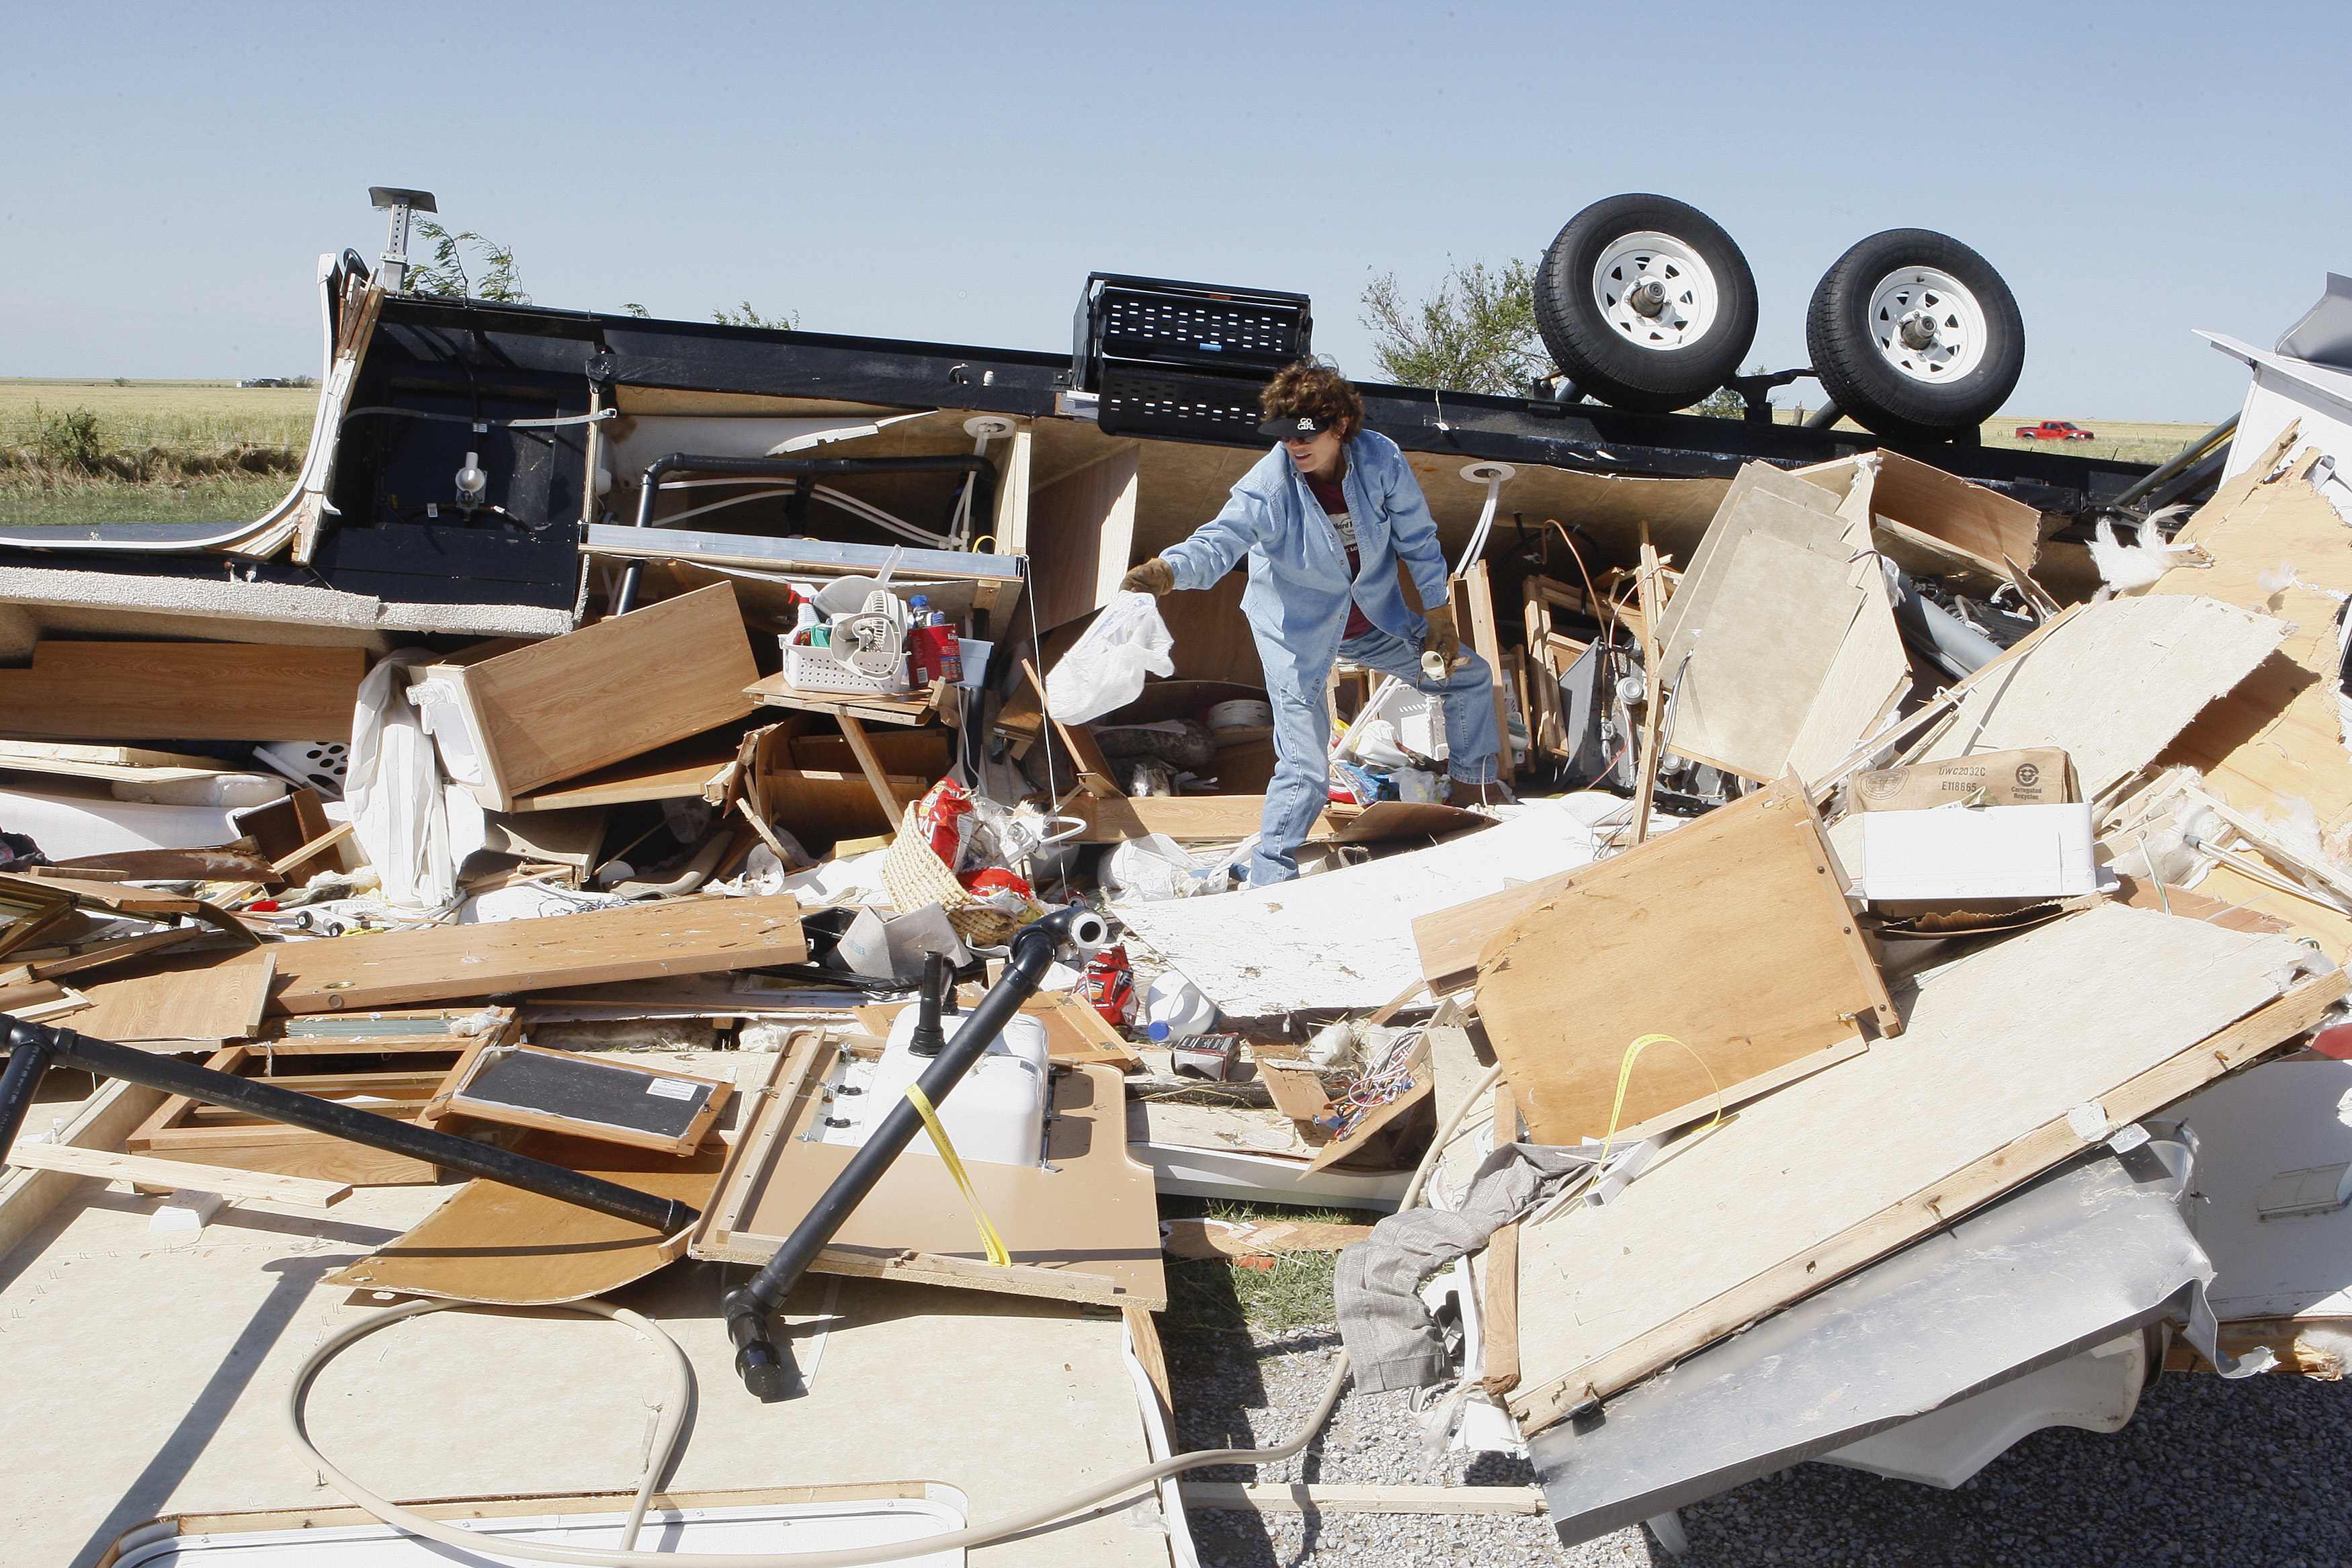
<point x="471" y="365"/>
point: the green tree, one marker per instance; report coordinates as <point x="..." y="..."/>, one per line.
<point x="1475" y="334"/>
<point x="1725" y="403"/>
<point x="445" y="277"/>
<point x="747" y="317"/>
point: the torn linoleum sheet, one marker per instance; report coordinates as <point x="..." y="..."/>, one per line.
<point x="1343" y="939"/>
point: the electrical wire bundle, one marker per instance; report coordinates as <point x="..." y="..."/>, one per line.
<point x="1384" y="1079"/>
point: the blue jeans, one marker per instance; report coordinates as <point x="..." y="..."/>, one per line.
<point x="1302" y="736"/>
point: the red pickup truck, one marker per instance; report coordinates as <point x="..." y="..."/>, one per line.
<point x="2052" y="430"/>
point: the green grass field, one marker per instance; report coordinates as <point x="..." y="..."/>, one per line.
<point x="2123" y="441"/>
<point x="180" y="435"/>
<point x="187" y="417"/>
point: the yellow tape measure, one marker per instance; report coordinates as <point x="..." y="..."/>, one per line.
<point x="990" y="1240"/>
<point x="1625" y="1076"/>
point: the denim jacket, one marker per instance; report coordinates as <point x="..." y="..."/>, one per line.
<point x="1298" y="585"/>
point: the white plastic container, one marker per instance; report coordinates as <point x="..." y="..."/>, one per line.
<point x="1979" y="851"/>
<point x="995" y="1114"/>
<point x="1174" y="1010"/>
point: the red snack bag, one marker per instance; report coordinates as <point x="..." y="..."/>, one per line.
<point x="990" y="879"/>
<point x="1109" y="986"/>
<point x="944" y="818"/>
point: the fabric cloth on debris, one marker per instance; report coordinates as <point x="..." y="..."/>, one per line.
<point x="1301" y="596"/>
<point x="414" y="826"/>
<point x="1392" y="1341"/>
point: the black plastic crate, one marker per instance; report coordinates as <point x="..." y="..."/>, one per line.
<point x="1165" y="322"/>
<point x="1137" y="401"/>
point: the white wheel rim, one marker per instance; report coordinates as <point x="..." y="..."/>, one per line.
<point x="1927" y="324"/>
<point x="1654" y="291"/>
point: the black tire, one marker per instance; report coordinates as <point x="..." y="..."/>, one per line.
<point x="1855" y="370"/>
<point x="1604" y="361"/>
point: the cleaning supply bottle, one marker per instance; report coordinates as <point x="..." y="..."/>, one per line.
<point x="1175" y="1010"/>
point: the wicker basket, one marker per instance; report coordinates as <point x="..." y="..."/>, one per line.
<point x="917" y="878"/>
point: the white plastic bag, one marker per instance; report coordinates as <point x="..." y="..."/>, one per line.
<point x="1155" y="867"/>
<point x="1104" y="668"/>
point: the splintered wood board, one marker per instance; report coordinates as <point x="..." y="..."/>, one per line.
<point x="1345" y="939"/>
<point x="26" y="1197"/>
<point x="114" y="763"/>
<point x="146" y="1170"/>
<point x="564" y="706"/>
<point x="632" y="942"/>
<point x="2113" y="685"/>
<point x="1731" y="934"/>
<point x="2012" y="1060"/>
<point x="182" y="691"/>
<point x="197" y="996"/>
<point x="1085" y="1230"/>
<point x="2276" y="740"/>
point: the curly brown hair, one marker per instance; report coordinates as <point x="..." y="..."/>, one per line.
<point x="1315" y="389"/>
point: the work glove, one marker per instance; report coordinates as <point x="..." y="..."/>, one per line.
<point x="1442" y="640"/>
<point x="1154" y="577"/>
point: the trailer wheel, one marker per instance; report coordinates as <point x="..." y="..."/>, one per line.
<point x="1645" y="303"/>
<point x="1914" y="334"/>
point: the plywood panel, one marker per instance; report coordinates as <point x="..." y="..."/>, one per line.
<point x="1734" y="519"/>
<point x="182" y="691"/>
<point x="1086" y="1230"/>
<point x="1757" y="654"/>
<point x="2118" y="1009"/>
<point x="499" y="1244"/>
<point x="632" y="942"/>
<point x="204" y="996"/>
<point x="1866" y="680"/>
<point x="562" y="707"/>
<point x="1730" y="934"/>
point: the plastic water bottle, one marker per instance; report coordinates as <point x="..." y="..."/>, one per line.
<point x="1174" y="1010"/>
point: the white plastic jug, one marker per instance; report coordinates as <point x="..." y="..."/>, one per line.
<point x="1174" y="1010"/>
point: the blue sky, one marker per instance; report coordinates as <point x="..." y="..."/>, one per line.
<point x="953" y="172"/>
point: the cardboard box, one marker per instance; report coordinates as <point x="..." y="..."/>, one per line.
<point x="1971" y="852"/>
<point x="2040" y="777"/>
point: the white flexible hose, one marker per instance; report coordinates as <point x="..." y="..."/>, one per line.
<point x="673" y="1417"/>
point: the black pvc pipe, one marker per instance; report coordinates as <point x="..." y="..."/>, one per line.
<point x="982" y="471"/>
<point x="748" y="1308"/>
<point x="28" y="1061"/>
<point x="34" y="1046"/>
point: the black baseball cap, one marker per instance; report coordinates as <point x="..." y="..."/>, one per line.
<point x="1292" y="427"/>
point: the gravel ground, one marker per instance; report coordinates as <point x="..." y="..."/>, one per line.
<point x="2245" y="1475"/>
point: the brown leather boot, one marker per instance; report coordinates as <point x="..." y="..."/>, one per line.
<point x="1465" y="793"/>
